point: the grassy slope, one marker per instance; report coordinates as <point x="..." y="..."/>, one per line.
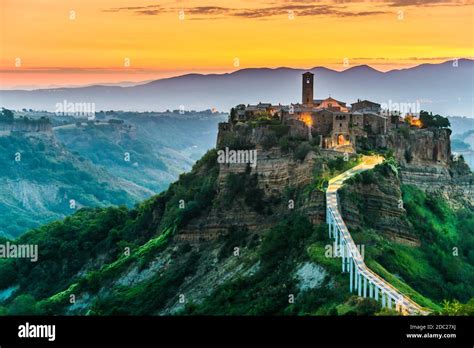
<point x="86" y="250"/>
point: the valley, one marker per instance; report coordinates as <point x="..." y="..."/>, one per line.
<point x="120" y="159"/>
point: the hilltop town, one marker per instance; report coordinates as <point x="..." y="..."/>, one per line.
<point x="335" y="124"/>
<point x="295" y="142"/>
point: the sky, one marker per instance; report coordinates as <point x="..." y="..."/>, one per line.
<point x="46" y="43"/>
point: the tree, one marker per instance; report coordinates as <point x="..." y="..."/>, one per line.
<point x="436" y="121"/>
<point x="394" y="119"/>
<point x="456" y="308"/>
<point x="6" y="116"/>
<point x="23" y="305"/>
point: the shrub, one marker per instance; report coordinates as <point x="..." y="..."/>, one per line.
<point x="404" y="131"/>
<point x="235" y="237"/>
<point x="234" y="142"/>
<point x="302" y="150"/>
<point x="368" y="178"/>
<point x="336" y="164"/>
<point x="280" y="129"/>
<point x="284" y="144"/>
<point x="235" y="183"/>
<point x="437" y="206"/>
<point x="269" y="140"/>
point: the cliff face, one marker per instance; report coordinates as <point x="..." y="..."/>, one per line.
<point x="273" y="174"/>
<point x="426" y="161"/>
<point x="275" y="178"/>
<point x="421" y="146"/>
<point x="377" y="203"/>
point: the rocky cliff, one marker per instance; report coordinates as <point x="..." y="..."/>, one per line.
<point x="426" y="161"/>
<point x="375" y="200"/>
<point x="283" y="170"/>
<point x="275" y="181"/>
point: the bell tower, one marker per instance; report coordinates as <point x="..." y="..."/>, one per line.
<point x="308" y="88"/>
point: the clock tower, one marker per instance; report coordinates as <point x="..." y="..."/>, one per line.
<point x="308" y="88"/>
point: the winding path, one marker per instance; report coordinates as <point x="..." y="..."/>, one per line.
<point x="361" y="278"/>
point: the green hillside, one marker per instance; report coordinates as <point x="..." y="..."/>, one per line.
<point x="40" y="177"/>
<point x="129" y="262"/>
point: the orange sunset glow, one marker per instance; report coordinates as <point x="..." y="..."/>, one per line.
<point x="76" y="42"/>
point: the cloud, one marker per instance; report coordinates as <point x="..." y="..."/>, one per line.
<point x="298" y="7"/>
<point x="132" y="8"/>
<point x="391" y="3"/>
<point x="205" y="10"/>
<point x="401" y="3"/>
<point x="303" y="8"/>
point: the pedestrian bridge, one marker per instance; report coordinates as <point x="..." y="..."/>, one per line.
<point x="361" y="279"/>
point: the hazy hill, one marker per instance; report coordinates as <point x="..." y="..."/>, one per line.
<point x="441" y="88"/>
<point x="39" y="186"/>
<point x="121" y="158"/>
<point x="460" y="125"/>
<point x="149" y="150"/>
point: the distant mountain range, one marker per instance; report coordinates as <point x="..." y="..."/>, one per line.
<point x="442" y="88"/>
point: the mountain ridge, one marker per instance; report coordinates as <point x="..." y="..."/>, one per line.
<point x="442" y="88"/>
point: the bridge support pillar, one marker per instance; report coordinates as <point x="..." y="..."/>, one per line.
<point x="376" y="293"/>
<point x="359" y="285"/>
<point x="330" y="224"/>
<point x="343" y="254"/>
<point x="400" y="306"/>
<point x="383" y="299"/>
<point x="329" y="220"/>
<point x="365" y="287"/>
<point x="356" y="274"/>
<point x="351" y="275"/>
<point x="371" y="290"/>
<point x="389" y="300"/>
